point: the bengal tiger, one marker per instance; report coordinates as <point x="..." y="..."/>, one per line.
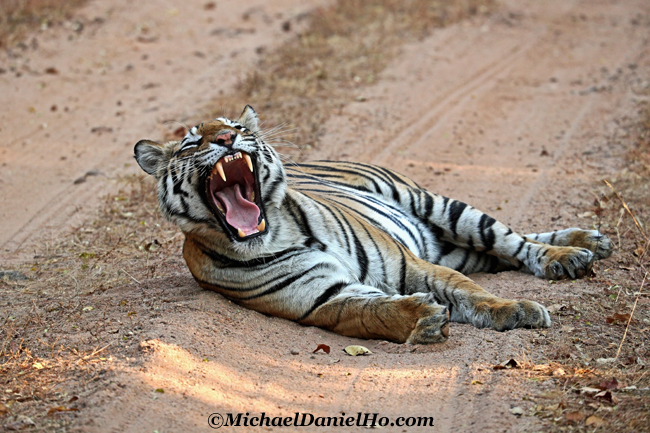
<point x="354" y="248"/>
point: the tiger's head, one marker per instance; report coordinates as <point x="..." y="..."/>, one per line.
<point x="221" y="180"/>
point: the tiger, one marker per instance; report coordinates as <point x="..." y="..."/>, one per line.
<point x="353" y="248"/>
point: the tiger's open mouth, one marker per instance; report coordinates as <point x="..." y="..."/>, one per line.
<point x="234" y="195"/>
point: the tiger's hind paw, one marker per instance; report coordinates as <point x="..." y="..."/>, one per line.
<point x="594" y="241"/>
<point x="566" y="262"/>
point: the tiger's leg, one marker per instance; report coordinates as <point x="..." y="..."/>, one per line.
<point x="365" y="312"/>
<point x="434" y="295"/>
<point x="470" y="303"/>
<point x="458" y="225"/>
<point x="592" y="240"/>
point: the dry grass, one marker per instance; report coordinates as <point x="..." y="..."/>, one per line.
<point x="607" y="327"/>
<point x="80" y="306"/>
<point x="327" y="66"/>
<point x="18" y="17"/>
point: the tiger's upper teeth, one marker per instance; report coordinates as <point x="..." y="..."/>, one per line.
<point x="220" y="170"/>
<point x="247" y="158"/>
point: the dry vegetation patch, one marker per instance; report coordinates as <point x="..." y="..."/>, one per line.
<point x="596" y="377"/>
<point x="18" y="17"/>
<point x="343" y="49"/>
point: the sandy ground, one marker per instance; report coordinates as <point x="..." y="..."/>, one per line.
<point x="513" y="113"/>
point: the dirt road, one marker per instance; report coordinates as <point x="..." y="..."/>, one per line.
<point x="513" y="113"/>
<point x="77" y="97"/>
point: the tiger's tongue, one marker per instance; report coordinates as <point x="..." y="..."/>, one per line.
<point x="240" y="213"/>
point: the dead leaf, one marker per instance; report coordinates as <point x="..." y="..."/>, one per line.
<point x="3" y="409"/>
<point x="324" y="347"/>
<point x="555" y="308"/>
<point x="639" y="251"/>
<point x="596" y="421"/>
<point x="356" y="350"/>
<point x="574" y="416"/>
<point x="51" y="70"/>
<point x="618" y="318"/>
<point x="517" y="411"/>
<point x="609" y="384"/>
<point x="56" y="409"/>
<point x="477" y="382"/>
<point x="511" y="363"/>
<point x="160" y="390"/>
<point x="607" y="396"/>
<point x="559" y="372"/>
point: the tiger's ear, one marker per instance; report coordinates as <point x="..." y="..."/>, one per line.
<point x="249" y="119"/>
<point x="149" y="155"/>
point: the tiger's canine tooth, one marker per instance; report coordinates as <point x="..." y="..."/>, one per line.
<point x="241" y="233"/>
<point x="220" y="170"/>
<point x="261" y="226"/>
<point x="247" y="157"/>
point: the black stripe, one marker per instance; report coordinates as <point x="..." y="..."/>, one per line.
<point x="381" y="259"/>
<point x="402" y="274"/>
<point x="371" y="220"/>
<point x="227" y="262"/>
<point x="487" y="234"/>
<point x="460" y="267"/>
<point x="428" y="206"/>
<point x="328" y="294"/>
<point x="362" y="257"/>
<point x="455" y="211"/>
<point x="521" y="245"/>
<point x="325" y="181"/>
<point x="284" y="283"/>
<point x="374" y="170"/>
<point x="445" y="203"/>
<point x="447" y="248"/>
<point x="342" y="170"/>
<point x="274" y="186"/>
<point x="379" y="210"/>
<point x="340" y="224"/>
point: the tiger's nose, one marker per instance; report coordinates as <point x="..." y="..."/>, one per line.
<point x="225" y="138"/>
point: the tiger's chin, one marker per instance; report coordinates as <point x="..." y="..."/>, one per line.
<point x="232" y="193"/>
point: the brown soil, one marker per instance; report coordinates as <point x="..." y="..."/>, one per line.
<point x="520" y="113"/>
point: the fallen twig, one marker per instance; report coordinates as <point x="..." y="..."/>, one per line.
<point x="618" y="352"/>
<point x="628" y="211"/>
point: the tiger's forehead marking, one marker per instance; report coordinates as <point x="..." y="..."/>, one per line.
<point x="206" y="132"/>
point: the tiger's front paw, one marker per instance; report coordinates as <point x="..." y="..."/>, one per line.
<point x="563" y="262"/>
<point x="519" y="314"/>
<point x="432" y="327"/>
